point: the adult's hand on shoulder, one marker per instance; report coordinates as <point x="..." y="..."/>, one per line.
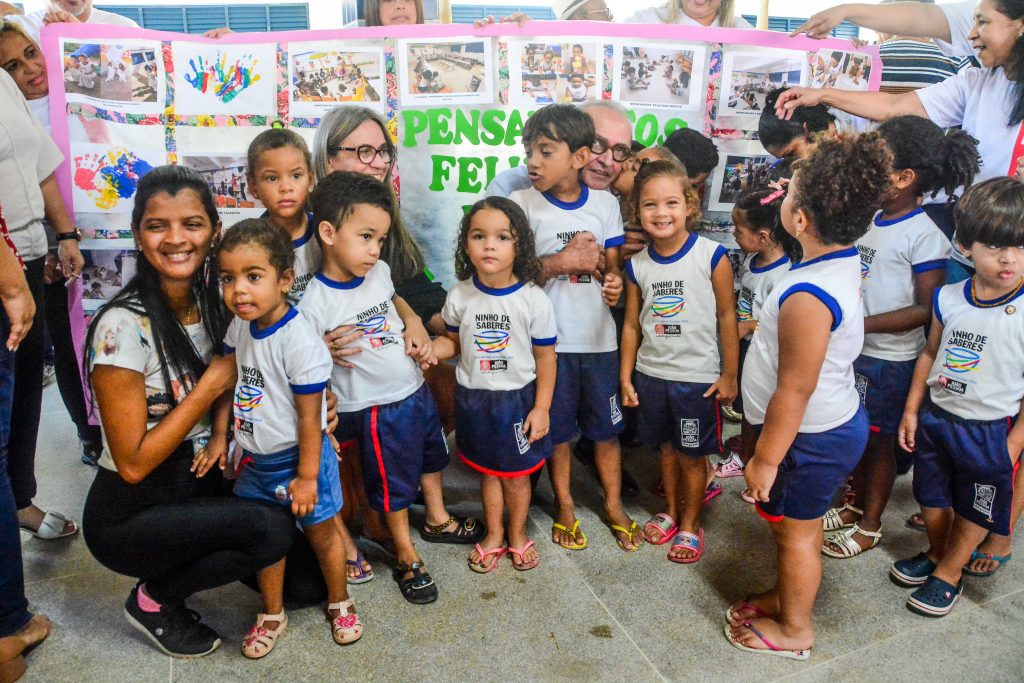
<point x="821" y="23"/>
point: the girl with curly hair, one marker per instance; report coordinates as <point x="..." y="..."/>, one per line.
<point x="502" y="325"/>
<point x="799" y="389"/>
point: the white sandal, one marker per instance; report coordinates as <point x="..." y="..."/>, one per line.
<point x="833" y="522"/>
<point x="259" y="641"/>
<point x="847" y="546"/>
<point x="346" y="628"/>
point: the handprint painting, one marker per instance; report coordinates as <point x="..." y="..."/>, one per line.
<point x="104" y="178"/>
<point x="224" y="79"/>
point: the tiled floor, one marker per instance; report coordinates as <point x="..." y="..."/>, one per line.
<point x="595" y="615"/>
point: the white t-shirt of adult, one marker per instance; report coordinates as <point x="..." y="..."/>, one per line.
<point x="960" y="16"/>
<point x="124" y="339"/>
<point x="275" y="364"/>
<point x="892" y="253"/>
<point x="658" y="15"/>
<point x="507" y="182"/>
<point x="383" y="373"/>
<point x="834" y="279"/>
<point x="980" y="101"/>
<point x="978" y="373"/>
<point x="27" y="157"/>
<point x="32" y="23"/>
<point x="678" y="313"/>
<point x="498" y="329"/>
<point x="756" y="283"/>
<point x="585" y="324"/>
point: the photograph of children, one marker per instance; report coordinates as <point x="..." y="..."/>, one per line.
<point x="744" y="167"/>
<point x="659" y="76"/>
<point x="225" y="176"/>
<point x="446" y="71"/>
<point x="104" y="273"/>
<point x="322" y="79"/>
<point x="121" y="76"/>
<point x="553" y="72"/>
<point x="748" y="77"/>
<point x="838" y="69"/>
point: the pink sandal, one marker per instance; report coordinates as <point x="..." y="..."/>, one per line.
<point x="259" y="641"/>
<point x="745" y="604"/>
<point x="663" y="523"/>
<point x="772" y="649"/>
<point x="346" y="628"/>
<point x="480" y="567"/>
<point x="684" y="540"/>
<point x="522" y="566"/>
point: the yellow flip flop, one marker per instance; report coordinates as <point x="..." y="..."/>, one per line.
<point x="633" y="527"/>
<point x="555" y="526"/>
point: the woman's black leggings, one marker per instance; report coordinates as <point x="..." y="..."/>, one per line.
<point x="181" y="535"/>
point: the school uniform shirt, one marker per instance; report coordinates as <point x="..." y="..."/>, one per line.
<point x="27" y="157"/>
<point x="980" y="101"/>
<point x="978" y="373"/>
<point x="308" y="258"/>
<point x="657" y="15"/>
<point x="834" y="279"/>
<point x="383" y="373"/>
<point x="756" y="283"/>
<point x="124" y="339"/>
<point x="498" y="329"/>
<point x="585" y="324"/>
<point x="891" y="254"/>
<point x="275" y="364"/>
<point x="678" y="313"/>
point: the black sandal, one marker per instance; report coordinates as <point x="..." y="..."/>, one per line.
<point x="419" y="589"/>
<point x="469" y="531"/>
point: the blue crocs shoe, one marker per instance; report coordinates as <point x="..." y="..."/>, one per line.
<point x="935" y="598"/>
<point x="911" y="572"/>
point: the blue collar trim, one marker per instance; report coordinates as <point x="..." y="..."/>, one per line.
<point x="335" y="284"/>
<point x="771" y="266"/>
<point x="499" y="291"/>
<point x="672" y="258"/>
<point x="568" y="206"/>
<point x="842" y="253"/>
<point x="881" y="224"/>
<point x="267" y="331"/>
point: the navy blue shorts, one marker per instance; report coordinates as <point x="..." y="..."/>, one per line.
<point x="677" y="413"/>
<point x="586" y="397"/>
<point x="964" y="465"/>
<point x="489" y="431"/>
<point x="814" y="468"/>
<point x="883" y="386"/>
<point x="399" y="442"/>
<point x="266" y="477"/>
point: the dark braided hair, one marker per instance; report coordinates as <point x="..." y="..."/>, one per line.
<point x="805" y="122"/>
<point x="526" y="266"/>
<point x="143" y="295"/>
<point x="941" y="160"/>
<point x="766" y="216"/>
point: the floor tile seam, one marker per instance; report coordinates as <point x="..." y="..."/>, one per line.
<point x="582" y="579"/>
<point x="927" y="624"/>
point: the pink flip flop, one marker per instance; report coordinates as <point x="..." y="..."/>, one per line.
<point x="523" y="566"/>
<point x="772" y="649"/>
<point x="745" y="604"/>
<point x="663" y="523"/>
<point x="684" y="540"/>
<point x="479" y="567"/>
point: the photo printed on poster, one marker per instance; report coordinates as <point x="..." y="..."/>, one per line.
<point x="545" y="71"/>
<point x="654" y="75"/>
<point x="446" y="71"/>
<point x="321" y="76"/>
<point x="123" y="75"/>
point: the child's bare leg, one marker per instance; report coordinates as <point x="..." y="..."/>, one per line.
<point x="398" y="525"/>
<point x="608" y="458"/>
<point x="938" y="522"/>
<point x="559" y="471"/>
<point x="271" y="583"/>
<point x="799" y="546"/>
<point x="872" y="486"/>
<point x="963" y="539"/>
<point x="351" y="550"/>
<point x="330" y="552"/>
<point x="748" y="439"/>
<point x="433" y="498"/>
<point x="516" y="493"/>
<point x="694" y="481"/>
<point x="997" y="544"/>
<point x="670" y="485"/>
<point x="494" y="511"/>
